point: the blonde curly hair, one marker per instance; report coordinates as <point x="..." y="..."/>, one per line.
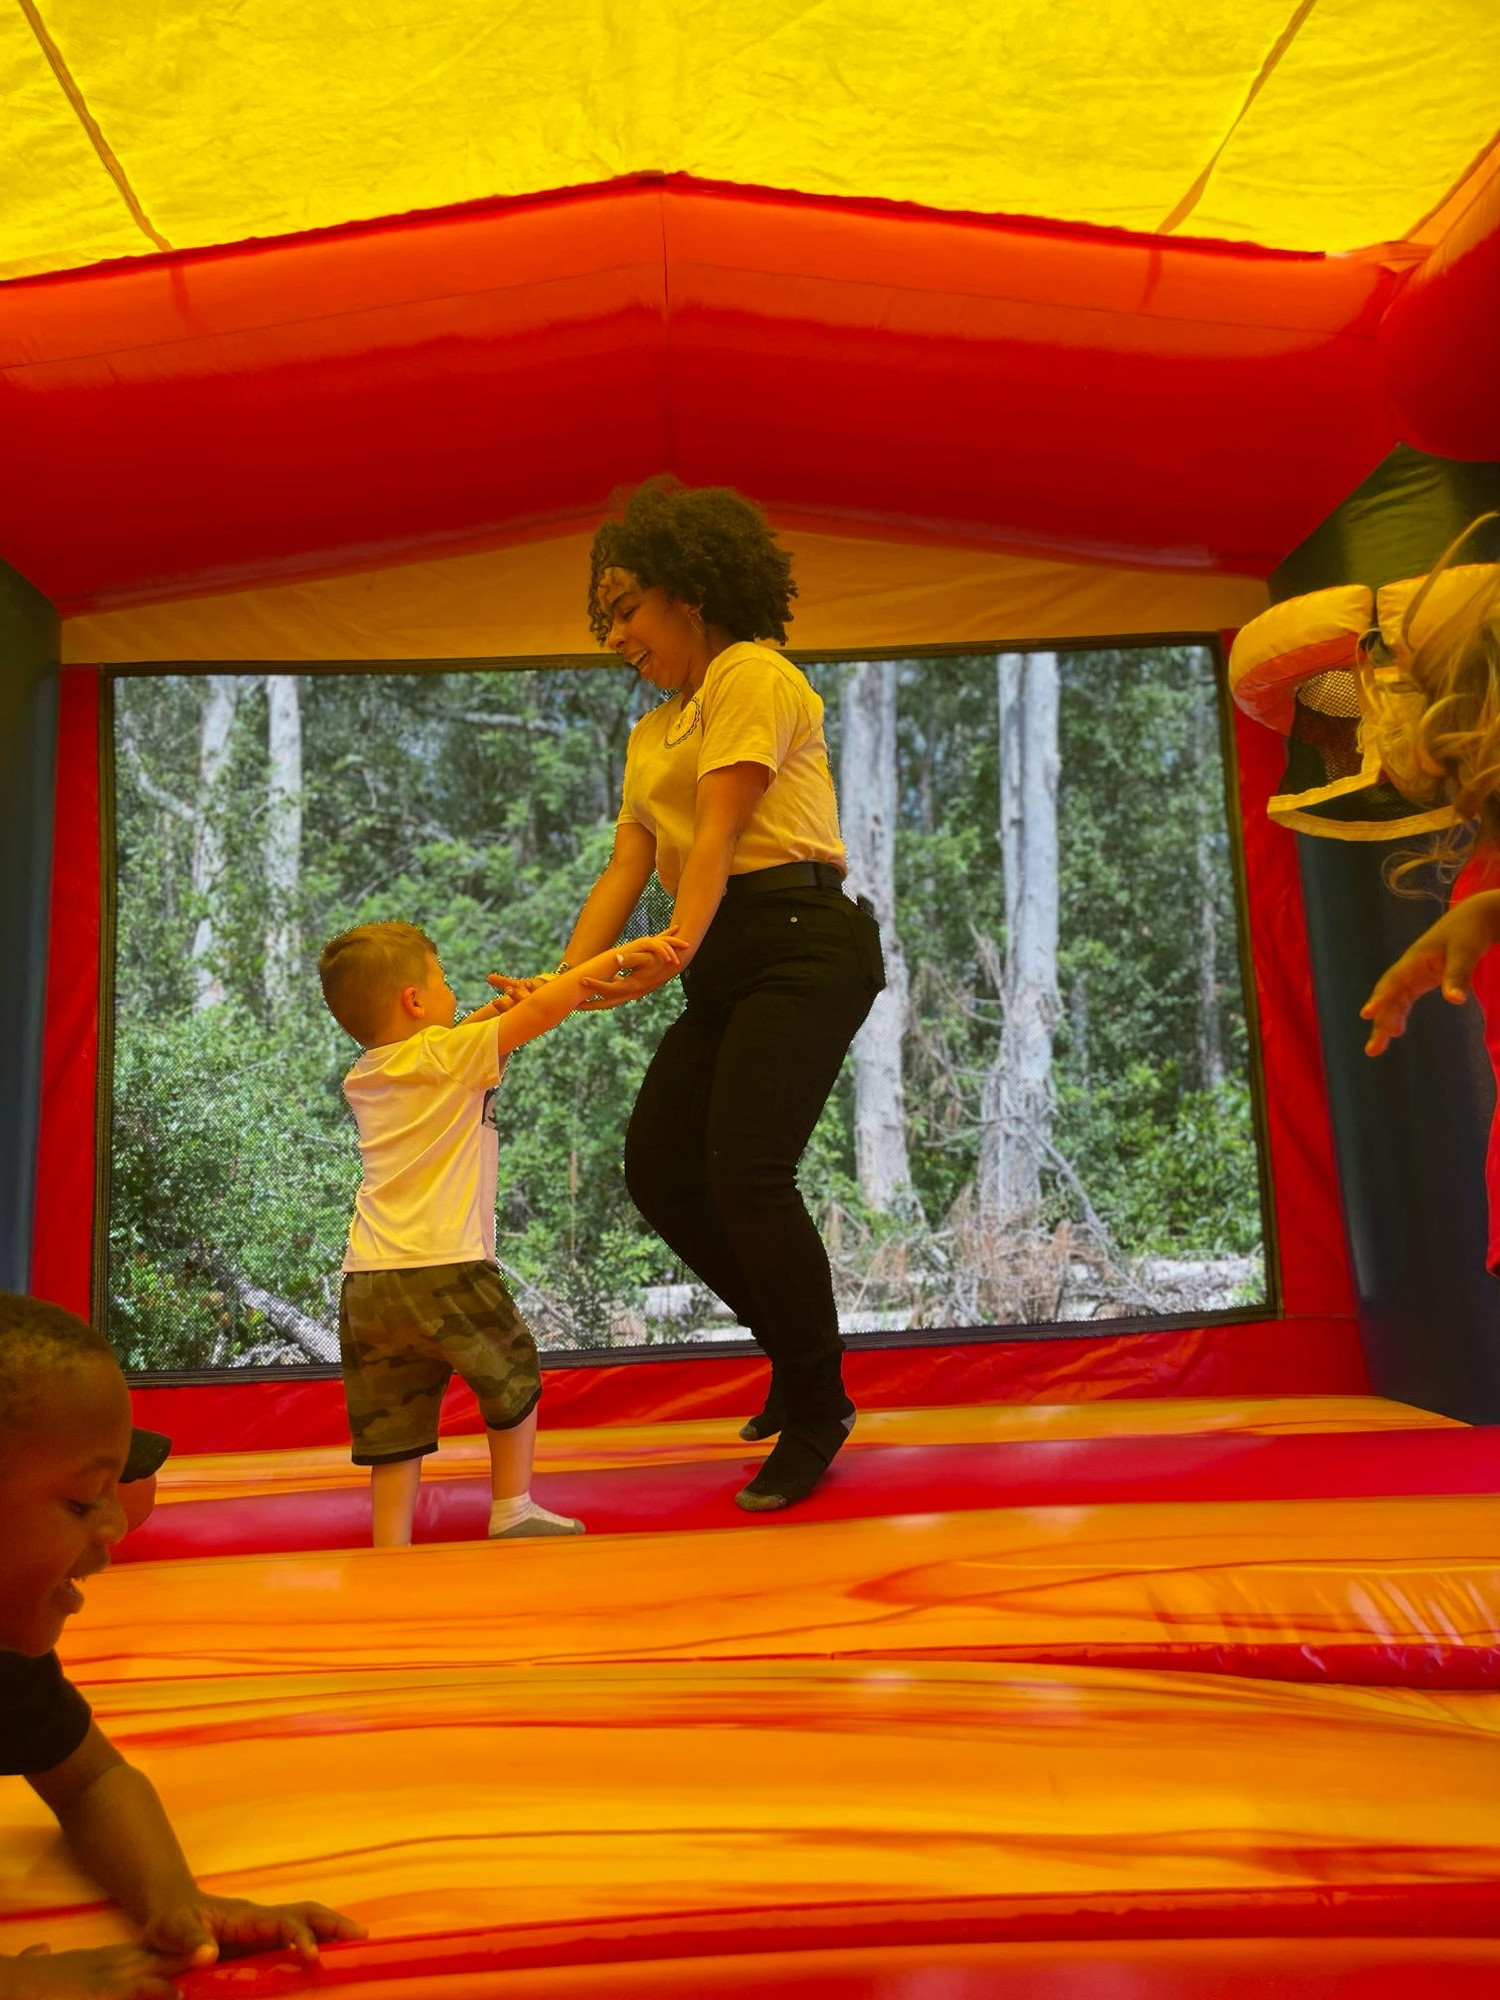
<point x="1436" y="709"/>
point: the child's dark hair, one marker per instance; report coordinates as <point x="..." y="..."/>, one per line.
<point x="36" y="1339"/>
<point x="704" y="545"/>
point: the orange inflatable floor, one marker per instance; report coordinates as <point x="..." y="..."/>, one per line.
<point x="1130" y="1750"/>
<point x="676" y="1477"/>
<point x="633" y="1447"/>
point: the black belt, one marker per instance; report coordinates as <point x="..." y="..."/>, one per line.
<point x="789" y="875"/>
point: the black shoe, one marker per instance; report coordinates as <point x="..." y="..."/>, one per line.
<point x="795" y="1463"/>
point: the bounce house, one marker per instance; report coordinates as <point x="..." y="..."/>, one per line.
<point x="1157" y="1662"/>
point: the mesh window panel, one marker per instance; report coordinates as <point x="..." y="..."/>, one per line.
<point x="257" y="815"/>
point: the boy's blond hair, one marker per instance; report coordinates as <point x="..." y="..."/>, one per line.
<point x="1437" y="727"/>
<point x="364" y="970"/>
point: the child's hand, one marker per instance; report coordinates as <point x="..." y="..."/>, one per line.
<point x="194" y="1932"/>
<point x="1443" y="956"/>
<point x="508" y="992"/>
<point x="117" y="1972"/>
<point x="631" y="970"/>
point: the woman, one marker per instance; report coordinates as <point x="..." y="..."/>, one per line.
<point x="728" y="797"/>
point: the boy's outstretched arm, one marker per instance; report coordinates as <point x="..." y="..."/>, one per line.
<point x="508" y="993"/>
<point x="552" y="1000"/>
<point x="1445" y="956"/>
<point x="118" y="1829"/>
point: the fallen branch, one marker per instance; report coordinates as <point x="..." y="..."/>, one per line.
<point x="317" y="1342"/>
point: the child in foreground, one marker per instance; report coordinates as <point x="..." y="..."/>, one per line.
<point x="65" y="1434"/>
<point x="422" y="1296"/>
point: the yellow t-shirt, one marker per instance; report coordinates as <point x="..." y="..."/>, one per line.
<point x="754" y="707"/>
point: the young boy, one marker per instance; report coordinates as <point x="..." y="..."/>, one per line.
<point x="422" y="1297"/>
<point x="64" y="1439"/>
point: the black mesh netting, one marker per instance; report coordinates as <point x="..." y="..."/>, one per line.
<point x="258" y="814"/>
<point x="1324" y="747"/>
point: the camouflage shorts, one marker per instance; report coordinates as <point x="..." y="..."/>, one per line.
<point x="403" y="1336"/>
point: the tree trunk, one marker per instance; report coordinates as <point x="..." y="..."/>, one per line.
<point x="1210" y="1036"/>
<point x="867" y="812"/>
<point x="220" y="700"/>
<point x="1016" y="1098"/>
<point x="283" y="840"/>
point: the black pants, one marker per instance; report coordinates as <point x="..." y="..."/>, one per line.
<point x="775" y="996"/>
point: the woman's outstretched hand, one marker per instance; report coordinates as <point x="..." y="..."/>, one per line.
<point x="624" y="972"/>
<point x="631" y="970"/>
<point x="1444" y="956"/>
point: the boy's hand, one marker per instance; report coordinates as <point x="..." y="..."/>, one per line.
<point x="117" y="1972"/>
<point x="508" y="992"/>
<point x="632" y="970"/>
<point x="1443" y="956"/>
<point x="195" y="1932"/>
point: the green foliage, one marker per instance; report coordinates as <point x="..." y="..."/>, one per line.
<point x="225" y="1159"/>
<point x="1172" y="1171"/>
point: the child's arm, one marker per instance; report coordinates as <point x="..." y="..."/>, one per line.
<point x="110" y="1972"/>
<point x="1443" y="956"/>
<point x="554" y="999"/>
<point x="119" y="1832"/>
<point x="508" y="993"/>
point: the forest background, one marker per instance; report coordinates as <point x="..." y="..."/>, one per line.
<point x="1047" y="1118"/>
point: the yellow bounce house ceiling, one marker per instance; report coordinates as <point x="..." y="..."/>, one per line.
<point x="133" y="129"/>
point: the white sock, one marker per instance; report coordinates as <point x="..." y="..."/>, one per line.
<point x="506" y="1513"/>
<point x="511" y="1513"/>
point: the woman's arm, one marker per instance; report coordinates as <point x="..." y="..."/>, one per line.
<point x="615" y="894"/>
<point x="725" y="801"/>
<point x="552" y="1000"/>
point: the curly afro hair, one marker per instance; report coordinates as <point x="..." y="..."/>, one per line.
<point x="706" y="546"/>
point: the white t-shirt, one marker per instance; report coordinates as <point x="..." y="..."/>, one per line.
<point x="429" y="1149"/>
<point x="755" y="707"/>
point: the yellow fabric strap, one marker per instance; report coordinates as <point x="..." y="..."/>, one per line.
<point x="90" y="125"/>
<point x="527" y="602"/>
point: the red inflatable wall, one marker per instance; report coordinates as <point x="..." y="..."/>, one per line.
<point x="1437" y="339"/>
<point x="63" y="1240"/>
<point x="440" y="381"/>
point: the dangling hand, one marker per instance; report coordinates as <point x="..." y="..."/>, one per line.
<point x="1444" y="956"/>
